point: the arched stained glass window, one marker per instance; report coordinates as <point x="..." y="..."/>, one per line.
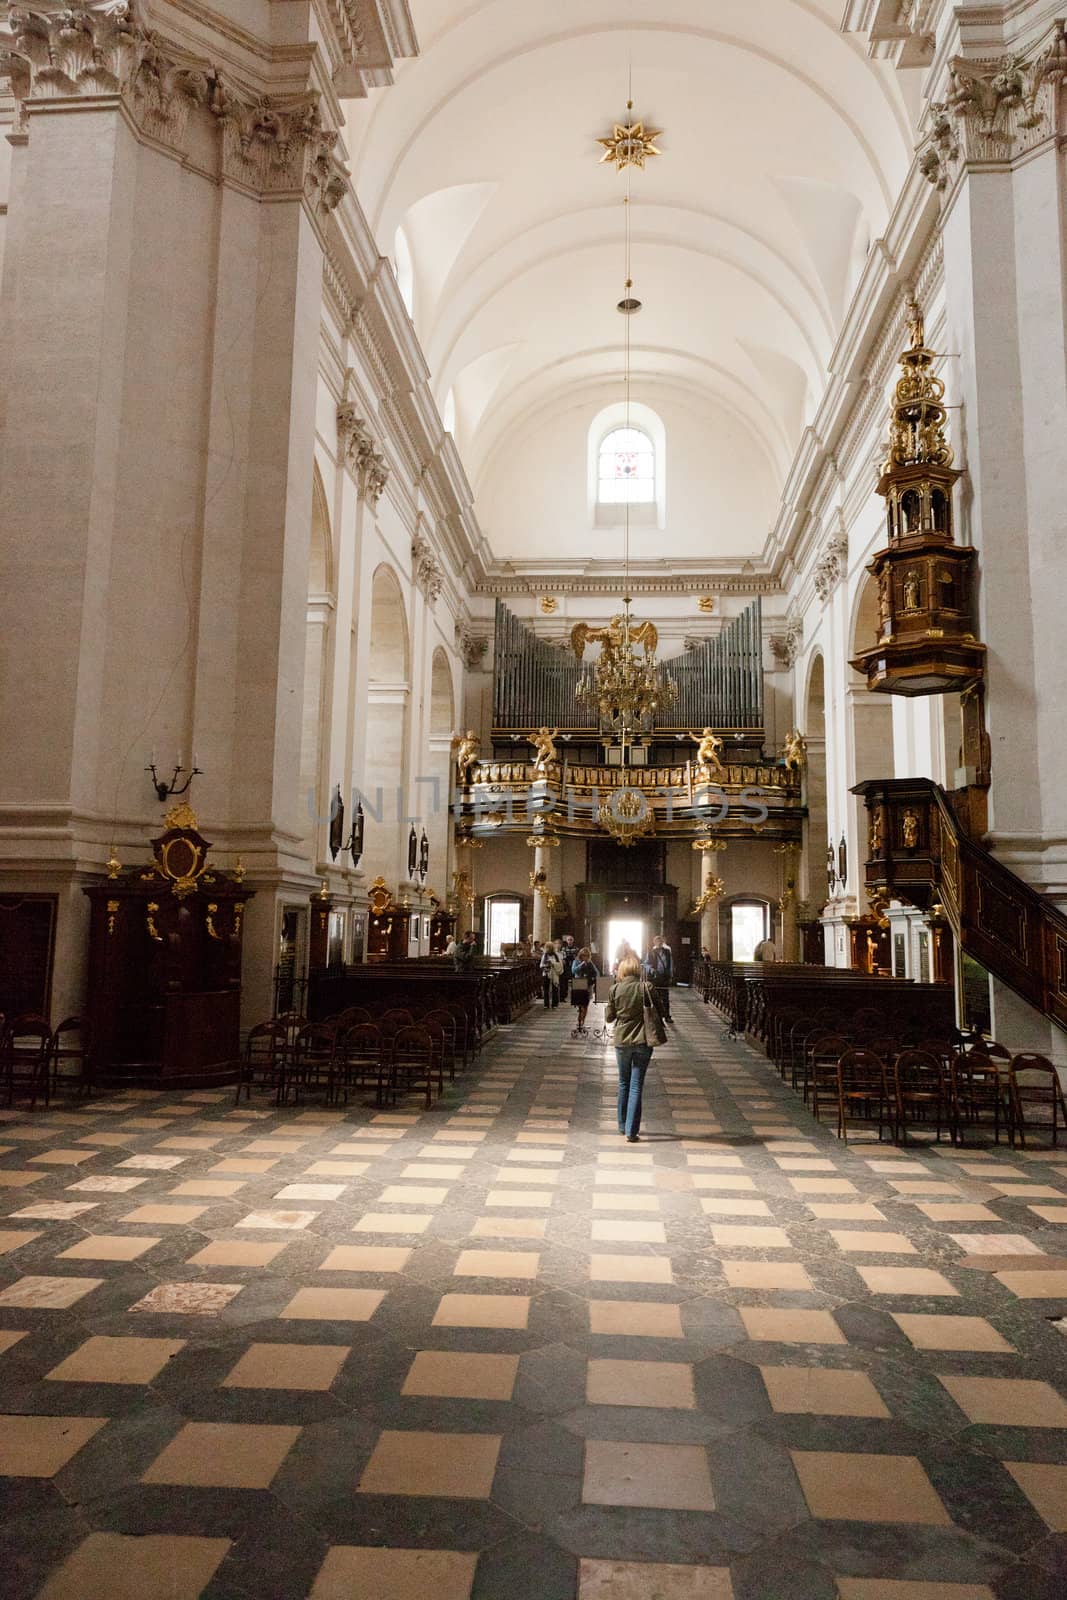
<point x="626" y="468"/>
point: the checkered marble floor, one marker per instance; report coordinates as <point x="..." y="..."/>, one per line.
<point x="491" y="1350"/>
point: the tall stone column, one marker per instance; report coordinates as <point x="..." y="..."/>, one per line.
<point x="993" y="151"/>
<point x="542" y="916"/>
<point x="160" y="308"/>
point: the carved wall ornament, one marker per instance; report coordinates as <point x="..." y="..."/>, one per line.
<point x="831" y="565"/>
<point x="425" y="567"/>
<point x="366" y="464"/>
<point x="785" y="647"/>
<point x="473" y="647"/>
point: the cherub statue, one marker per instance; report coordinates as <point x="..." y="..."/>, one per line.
<point x="709" y="751"/>
<point x="795" y="755"/>
<point x="466" y="747"/>
<point x="544" y="743"/>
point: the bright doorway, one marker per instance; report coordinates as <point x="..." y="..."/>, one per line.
<point x="624" y="928"/>
<point x="748" y="928"/>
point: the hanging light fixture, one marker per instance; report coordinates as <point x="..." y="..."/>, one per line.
<point x="627" y="688"/>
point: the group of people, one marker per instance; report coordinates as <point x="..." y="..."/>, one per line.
<point x="567" y="970"/>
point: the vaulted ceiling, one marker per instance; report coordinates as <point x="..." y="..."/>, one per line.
<point x="784" y="147"/>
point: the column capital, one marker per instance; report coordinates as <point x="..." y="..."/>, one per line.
<point x="995" y="109"/>
<point x="359" y="453"/>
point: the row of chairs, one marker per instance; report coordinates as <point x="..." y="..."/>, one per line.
<point x="37" y="1059"/>
<point x="935" y="1086"/>
<point x="396" y="1054"/>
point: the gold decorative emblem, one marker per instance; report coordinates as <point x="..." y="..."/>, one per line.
<point x="150" y="921"/>
<point x="627" y="816"/>
<point x="379" y="897"/>
<point x="630" y="143"/>
<point x="549" y="604"/>
<point x="112" y="913"/>
<point x="706" y="603"/>
<point x="113" y="864"/>
<point x="239" y="871"/>
<point x="181" y="816"/>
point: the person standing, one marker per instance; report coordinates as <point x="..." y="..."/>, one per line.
<point x="551" y="967"/>
<point x="584" y="975"/>
<point x="626" y="1009"/>
<point x="659" y="966"/>
<point x="464" y="953"/>
<point x="568" y="956"/>
<point x="765" y="951"/>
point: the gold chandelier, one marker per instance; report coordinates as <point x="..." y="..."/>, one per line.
<point x="626" y="686"/>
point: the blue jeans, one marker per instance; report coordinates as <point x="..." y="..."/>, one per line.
<point x="633" y="1060"/>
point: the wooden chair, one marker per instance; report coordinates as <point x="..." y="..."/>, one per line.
<point x="413" y="1062"/>
<point x="921" y="1086"/>
<point x="863" y="1092"/>
<point x="313" y="1063"/>
<point x="349" y="1018"/>
<point x="447" y="1023"/>
<point x="263" y="1063"/>
<point x="800" y="1036"/>
<point x="820" y="1077"/>
<point x="361" y="1062"/>
<point x="979" y="1094"/>
<point x="398" y="1014"/>
<point x="25" y="1060"/>
<point x="71" y="1059"/>
<point x="1035" y="1083"/>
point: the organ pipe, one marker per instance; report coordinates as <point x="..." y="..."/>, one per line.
<point x="720" y="684"/>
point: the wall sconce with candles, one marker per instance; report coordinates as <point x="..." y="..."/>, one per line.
<point x="355" y="838"/>
<point x="424" y="856"/>
<point x="165" y="790"/>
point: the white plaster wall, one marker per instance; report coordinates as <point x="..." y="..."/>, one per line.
<point x="720" y="487"/>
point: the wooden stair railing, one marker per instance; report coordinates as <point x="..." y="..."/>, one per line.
<point x="920" y="852"/>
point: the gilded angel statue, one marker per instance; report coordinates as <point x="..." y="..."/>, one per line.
<point x="709" y="751"/>
<point x="795" y="755"/>
<point x="466" y="747"/>
<point x="544" y="743"/>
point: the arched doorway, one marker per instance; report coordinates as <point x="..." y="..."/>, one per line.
<point x="388" y="693"/>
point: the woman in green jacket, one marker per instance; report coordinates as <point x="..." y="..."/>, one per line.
<point x="626" y="1009"/>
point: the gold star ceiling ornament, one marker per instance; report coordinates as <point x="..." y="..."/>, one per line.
<point x="630" y="143"/>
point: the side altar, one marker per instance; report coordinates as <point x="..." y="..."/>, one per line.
<point x="164" y="982"/>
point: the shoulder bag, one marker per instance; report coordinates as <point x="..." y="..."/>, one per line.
<point x="655" y="1032"/>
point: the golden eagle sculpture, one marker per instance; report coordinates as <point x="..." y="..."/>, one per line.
<point x="613" y="636"/>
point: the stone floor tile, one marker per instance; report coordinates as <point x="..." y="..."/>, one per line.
<point x="116" y="1359"/>
<point x="635" y="1319"/>
<point x="833" y="1392"/>
<point x="842" y="1486"/>
<point x="126" y="1567"/>
<point x="641" y="1580"/>
<point x="666" y="1477"/>
<point x="461" y="1376"/>
<point x="454" y="1466"/>
<point x="1045" y="1486"/>
<point x="482" y="1311"/>
<point x="38" y="1447"/>
<point x="350" y="1572"/>
<point x="664" y="1384"/>
<point x="1011" y="1402"/>
<point x="223" y="1455"/>
<point x="287" y="1366"/>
